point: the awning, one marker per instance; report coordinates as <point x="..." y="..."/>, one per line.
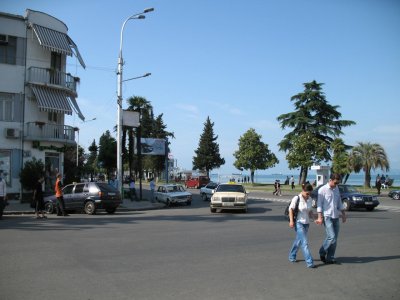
<point x="52" y="100"/>
<point x="56" y="41"/>
<point x="76" y="108"/>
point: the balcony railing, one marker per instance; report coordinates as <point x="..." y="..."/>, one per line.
<point x="39" y="131"/>
<point x="52" y="77"/>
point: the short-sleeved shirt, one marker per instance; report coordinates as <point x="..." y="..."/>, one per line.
<point x="304" y="209"/>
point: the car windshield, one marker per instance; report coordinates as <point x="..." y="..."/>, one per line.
<point x="175" y="188"/>
<point x="347" y="189"/>
<point x="104" y="187"/>
<point x="230" y="188"/>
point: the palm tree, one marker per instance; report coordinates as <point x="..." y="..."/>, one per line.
<point x="367" y="156"/>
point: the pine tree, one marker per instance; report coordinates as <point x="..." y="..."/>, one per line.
<point x="207" y="154"/>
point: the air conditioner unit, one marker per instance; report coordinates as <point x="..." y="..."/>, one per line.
<point x="3" y="39"/>
<point x="12" y="133"/>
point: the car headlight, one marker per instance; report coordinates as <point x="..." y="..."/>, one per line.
<point x="240" y="199"/>
<point x="216" y="199"/>
<point x="357" y="198"/>
<point x="374" y="198"/>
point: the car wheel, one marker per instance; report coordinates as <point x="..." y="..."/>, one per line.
<point x="213" y="210"/>
<point x="49" y="207"/>
<point x="396" y="196"/>
<point x="346" y="204"/>
<point x="369" y="208"/>
<point x="90" y="208"/>
<point x="204" y="197"/>
<point x="111" y="210"/>
<point x="168" y="203"/>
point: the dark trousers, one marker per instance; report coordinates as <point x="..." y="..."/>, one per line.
<point x="60" y="206"/>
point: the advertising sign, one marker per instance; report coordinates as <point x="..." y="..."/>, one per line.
<point x="152" y="146"/>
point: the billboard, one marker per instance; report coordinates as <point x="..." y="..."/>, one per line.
<point x="152" y="146"/>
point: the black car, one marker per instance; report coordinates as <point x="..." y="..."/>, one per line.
<point x="394" y="194"/>
<point x="87" y="196"/>
<point x="351" y="198"/>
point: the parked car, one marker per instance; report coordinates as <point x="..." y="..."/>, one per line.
<point x="173" y="194"/>
<point x="351" y="198"/>
<point x="88" y="196"/>
<point x="395" y="194"/>
<point x="197" y="182"/>
<point x="230" y="196"/>
<point x="207" y="191"/>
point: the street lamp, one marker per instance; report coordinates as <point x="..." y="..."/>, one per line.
<point x="119" y="97"/>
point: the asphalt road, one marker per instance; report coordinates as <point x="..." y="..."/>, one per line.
<point x="189" y="253"/>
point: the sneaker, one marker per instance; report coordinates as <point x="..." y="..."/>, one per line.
<point x="311" y="267"/>
<point x="293" y="260"/>
<point x="331" y="262"/>
<point x="323" y="258"/>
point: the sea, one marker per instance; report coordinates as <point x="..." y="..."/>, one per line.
<point x="354" y="179"/>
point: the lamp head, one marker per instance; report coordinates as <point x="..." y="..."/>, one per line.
<point x="147" y="10"/>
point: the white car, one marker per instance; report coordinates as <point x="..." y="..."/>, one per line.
<point x="230" y="196"/>
<point x="207" y="191"/>
<point x="173" y="194"/>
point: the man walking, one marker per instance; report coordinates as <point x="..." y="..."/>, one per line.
<point x="3" y="195"/>
<point x="329" y="210"/>
<point x="60" y="198"/>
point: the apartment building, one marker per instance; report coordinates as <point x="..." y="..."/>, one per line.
<point x="36" y="93"/>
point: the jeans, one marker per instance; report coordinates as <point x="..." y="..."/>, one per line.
<point x="301" y="241"/>
<point x="328" y="247"/>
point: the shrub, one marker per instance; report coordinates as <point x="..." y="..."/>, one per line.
<point x="30" y="174"/>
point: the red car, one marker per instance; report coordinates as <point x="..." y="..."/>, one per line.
<point x="197" y="182"/>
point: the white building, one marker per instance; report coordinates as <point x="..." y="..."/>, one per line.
<point x="35" y="94"/>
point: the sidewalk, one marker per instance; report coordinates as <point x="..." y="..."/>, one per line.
<point x="15" y="207"/>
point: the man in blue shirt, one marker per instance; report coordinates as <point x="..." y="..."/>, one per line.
<point x="329" y="209"/>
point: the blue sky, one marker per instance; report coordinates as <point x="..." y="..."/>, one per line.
<point x="238" y="62"/>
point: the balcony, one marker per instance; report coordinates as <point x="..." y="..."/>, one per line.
<point x="55" y="78"/>
<point x="40" y="131"/>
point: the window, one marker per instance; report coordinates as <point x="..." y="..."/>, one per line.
<point x="8" y="49"/>
<point x="52" y="117"/>
<point x="5" y="165"/>
<point x="79" y="188"/>
<point x="10" y="107"/>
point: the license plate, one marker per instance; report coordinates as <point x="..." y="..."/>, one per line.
<point x="111" y="194"/>
<point x="227" y="204"/>
<point x="368" y="203"/>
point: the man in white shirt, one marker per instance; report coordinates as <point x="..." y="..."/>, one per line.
<point x="329" y="210"/>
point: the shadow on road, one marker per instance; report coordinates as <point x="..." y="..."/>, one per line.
<point x="366" y="259"/>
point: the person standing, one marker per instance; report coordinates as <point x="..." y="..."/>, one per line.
<point x="378" y="185"/>
<point x="3" y="195"/>
<point x="38" y="199"/>
<point x="60" y="198"/>
<point x="301" y="223"/>
<point x="329" y="209"/>
<point x="132" y="189"/>
<point x="292" y="182"/>
<point x="152" y="189"/>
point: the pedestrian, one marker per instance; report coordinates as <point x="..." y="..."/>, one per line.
<point x="275" y="187"/>
<point x="329" y="209"/>
<point x="38" y="199"/>
<point x="132" y="189"/>
<point x="152" y="189"/>
<point x="378" y="185"/>
<point x="292" y="182"/>
<point x="60" y="206"/>
<point x="3" y="195"/>
<point x="301" y="223"/>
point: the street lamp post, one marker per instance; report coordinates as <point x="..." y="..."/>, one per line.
<point x="119" y="97"/>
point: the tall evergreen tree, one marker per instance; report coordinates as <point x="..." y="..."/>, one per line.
<point x="91" y="164"/>
<point x="207" y="154"/>
<point x="313" y="115"/>
<point x="340" y="160"/>
<point x="107" y="157"/>
<point x="253" y="154"/>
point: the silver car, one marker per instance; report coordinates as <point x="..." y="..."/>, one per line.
<point x="207" y="191"/>
<point x="171" y="194"/>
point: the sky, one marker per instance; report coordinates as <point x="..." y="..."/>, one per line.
<point x="238" y="62"/>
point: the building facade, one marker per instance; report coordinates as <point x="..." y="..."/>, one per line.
<point x="36" y="93"/>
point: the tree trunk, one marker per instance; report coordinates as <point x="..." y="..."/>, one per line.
<point x="367" y="181"/>
<point x="303" y="175"/>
